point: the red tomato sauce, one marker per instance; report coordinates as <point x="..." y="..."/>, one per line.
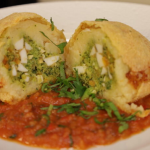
<point x="22" y="121"/>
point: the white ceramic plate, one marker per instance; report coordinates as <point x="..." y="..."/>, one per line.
<point x="67" y="16"/>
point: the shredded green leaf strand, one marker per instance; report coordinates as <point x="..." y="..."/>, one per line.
<point x="87" y="93"/>
<point x="103" y="122"/>
<point x="60" y="46"/>
<point x="71" y="140"/>
<point x="50" y="108"/>
<point x="70" y="87"/>
<point x="39" y="132"/>
<point x="87" y="114"/>
<point x="100" y="19"/>
<point x="52" y="24"/>
<point x="45" y="116"/>
<point x="123" y="126"/>
<point x="13" y="136"/>
<point x="1" y="115"/>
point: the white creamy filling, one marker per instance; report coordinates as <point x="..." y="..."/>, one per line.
<point x="104" y="71"/>
<point x="93" y="51"/>
<point x="19" y="44"/>
<point x="51" y="60"/>
<point x="100" y="61"/>
<point x="99" y="48"/>
<point x="81" y="69"/>
<point x="27" y="79"/>
<point x="22" y="68"/>
<point x="23" y="48"/>
<point x="27" y="46"/>
<point x="14" y="70"/>
<point x="39" y="78"/>
<point x="23" y="55"/>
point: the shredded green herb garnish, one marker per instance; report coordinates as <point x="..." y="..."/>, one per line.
<point x="13" y="136"/>
<point x="71" y="140"/>
<point x="100" y="19"/>
<point x="52" y="24"/>
<point x="110" y="107"/>
<point x="87" y="93"/>
<point x="44" y="108"/>
<point x="72" y="87"/>
<point x="46" y="116"/>
<point x="45" y="88"/>
<point x="84" y="104"/>
<point x="60" y="46"/>
<point x="1" y="115"/>
<point x="49" y="109"/>
<point x="28" y="126"/>
<point x="123" y="126"/>
<point x="62" y="126"/>
<point x="66" y="87"/>
<point x="103" y="122"/>
<point x="131" y="117"/>
<point x="39" y="132"/>
<point x="87" y="114"/>
<point x="69" y="108"/>
<point x="62" y="70"/>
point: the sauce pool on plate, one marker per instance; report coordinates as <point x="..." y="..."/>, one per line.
<point x="46" y="120"/>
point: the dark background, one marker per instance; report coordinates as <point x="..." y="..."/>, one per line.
<point x="7" y="3"/>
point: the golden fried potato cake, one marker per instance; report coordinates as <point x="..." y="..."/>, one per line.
<point x="29" y="55"/>
<point x="114" y="59"/>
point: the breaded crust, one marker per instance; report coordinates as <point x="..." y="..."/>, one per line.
<point x="15" y="18"/>
<point x="130" y="44"/>
<point x="134" y="51"/>
<point x="12" y="92"/>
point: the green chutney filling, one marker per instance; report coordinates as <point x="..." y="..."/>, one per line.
<point x="36" y="67"/>
<point x="98" y="75"/>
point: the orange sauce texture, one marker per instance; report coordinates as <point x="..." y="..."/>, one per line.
<point x="21" y="121"/>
